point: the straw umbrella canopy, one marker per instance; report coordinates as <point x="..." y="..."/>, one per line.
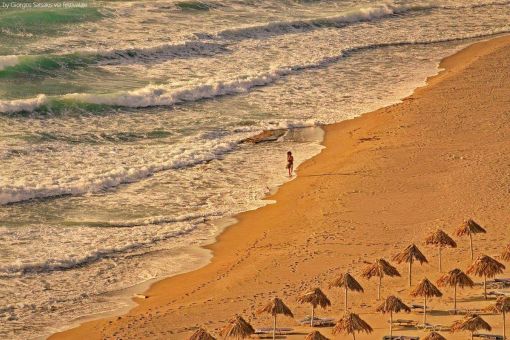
<point x="201" y="334"/>
<point x="351" y="323"/>
<point x="409" y="255"/>
<point x="434" y="336"/>
<point x="455" y="278"/>
<point x="391" y="305"/>
<point x="505" y="256"/>
<point x="274" y="307"/>
<point x="485" y="266"/>
<point x="237" y="328"/>
<point x="379" y="269"/>
<point x="426" y="289"/>
<point x="441" y="240"/>
<point x="348" y="282"/>
<point x="471" y="323"/>
<point x="316" y="298"/>
<point x="316" y="335"/>
<point x="470" y="228"/>
<point x="502" y="306"/>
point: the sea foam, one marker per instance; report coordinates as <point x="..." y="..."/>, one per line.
<point x="354" y="16"/>
<point x="112" y="178"/>
<point x="362" y="14"/>
<point x="22" y="105"/>
<point x="8" y="61"/>
<point x="68" y="262"/>
<point x="167" y="95"/>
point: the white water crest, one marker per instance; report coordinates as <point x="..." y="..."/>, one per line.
<point x="158" y="95"/>
<point x="168" y="95"/>
<point x="8" y="61"/>
<point x="353" y="16"/>
<point x="112" y="178"/>
<point x="70" y="262"/>
<point x="94" y="183"/>
<point x="22" y="105"/>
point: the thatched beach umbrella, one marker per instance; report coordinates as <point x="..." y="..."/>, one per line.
<point x="391" y="305"/>
<point x="455" y="278"/>
<point x="379" y="269"/>
<point x="409" y="255"/>
<point x="426" y="289"/>
<point x="201" y="334"/>
<point x="348" y="282"/>
<point x="441" y="240"/>
<point x="351" y="323"/>
<point x="471" y="323"/>
<point x="237" y="328"/>
<point x="485" y="266"/>
<point x="316" y="335"/>
<point x="316" y="298"/>
<point x="434" y="336"/>
<point x="275" y="307"/>
<point x="505" y="256"/>
<point x="502" y="306"/>
<point x="470" y="228"/>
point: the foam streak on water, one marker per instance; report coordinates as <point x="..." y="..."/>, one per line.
<point x="122" y="126"/>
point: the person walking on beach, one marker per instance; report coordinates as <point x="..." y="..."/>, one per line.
<point x="290" y="163"/>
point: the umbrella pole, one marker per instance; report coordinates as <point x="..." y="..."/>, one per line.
<point x="455" y="299"/>
<point x="425" y="310"/>
<point x="311" y="319"/>
<point x="471" y="245"/>
<point x="440" y="267"/>
<point x="379" y="289"/>
<point x="274" y="326"/>
<point x="485" y="286"/>
<point x="346" y="298"/>
<point x="410" y="271"/>
<point x="391" y="325"/>
<point x="504" y="325"/>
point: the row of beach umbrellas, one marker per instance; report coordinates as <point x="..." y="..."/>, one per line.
<point x="351" y="323"/>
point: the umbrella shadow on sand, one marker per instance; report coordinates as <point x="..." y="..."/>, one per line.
<point x="438" y="312"/>
<point x="278" y="336"/>
<point x="476" y="298"/>
<point x="282" y="336"/>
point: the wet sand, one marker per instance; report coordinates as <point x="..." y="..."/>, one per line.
<point x="384" y="181"/>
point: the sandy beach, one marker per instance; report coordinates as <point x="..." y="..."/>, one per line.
<point x="384" y="180"/>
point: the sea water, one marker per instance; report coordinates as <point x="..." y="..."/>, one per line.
<point x="121" y="126"/>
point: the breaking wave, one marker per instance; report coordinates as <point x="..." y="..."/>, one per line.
<point x="211" y="150"/>
<point x="67" y="263"/>
<point x="44" y="65"/>
<point x="22" y="105"/>
<point x="281" y="27"/>
<point x="165" y="95"/>
<point x="156" y="220"/>
<point x="8" y="61"/>
<point x="208" y="44"/>
<point x="113" y="178"/>
<point x="358" y="15"/>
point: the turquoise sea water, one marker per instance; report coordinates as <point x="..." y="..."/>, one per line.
<point x="121" y="125"/>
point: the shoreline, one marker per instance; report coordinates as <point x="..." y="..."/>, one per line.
<point x="234" y="239"/>
<point x="129" y="297"/>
